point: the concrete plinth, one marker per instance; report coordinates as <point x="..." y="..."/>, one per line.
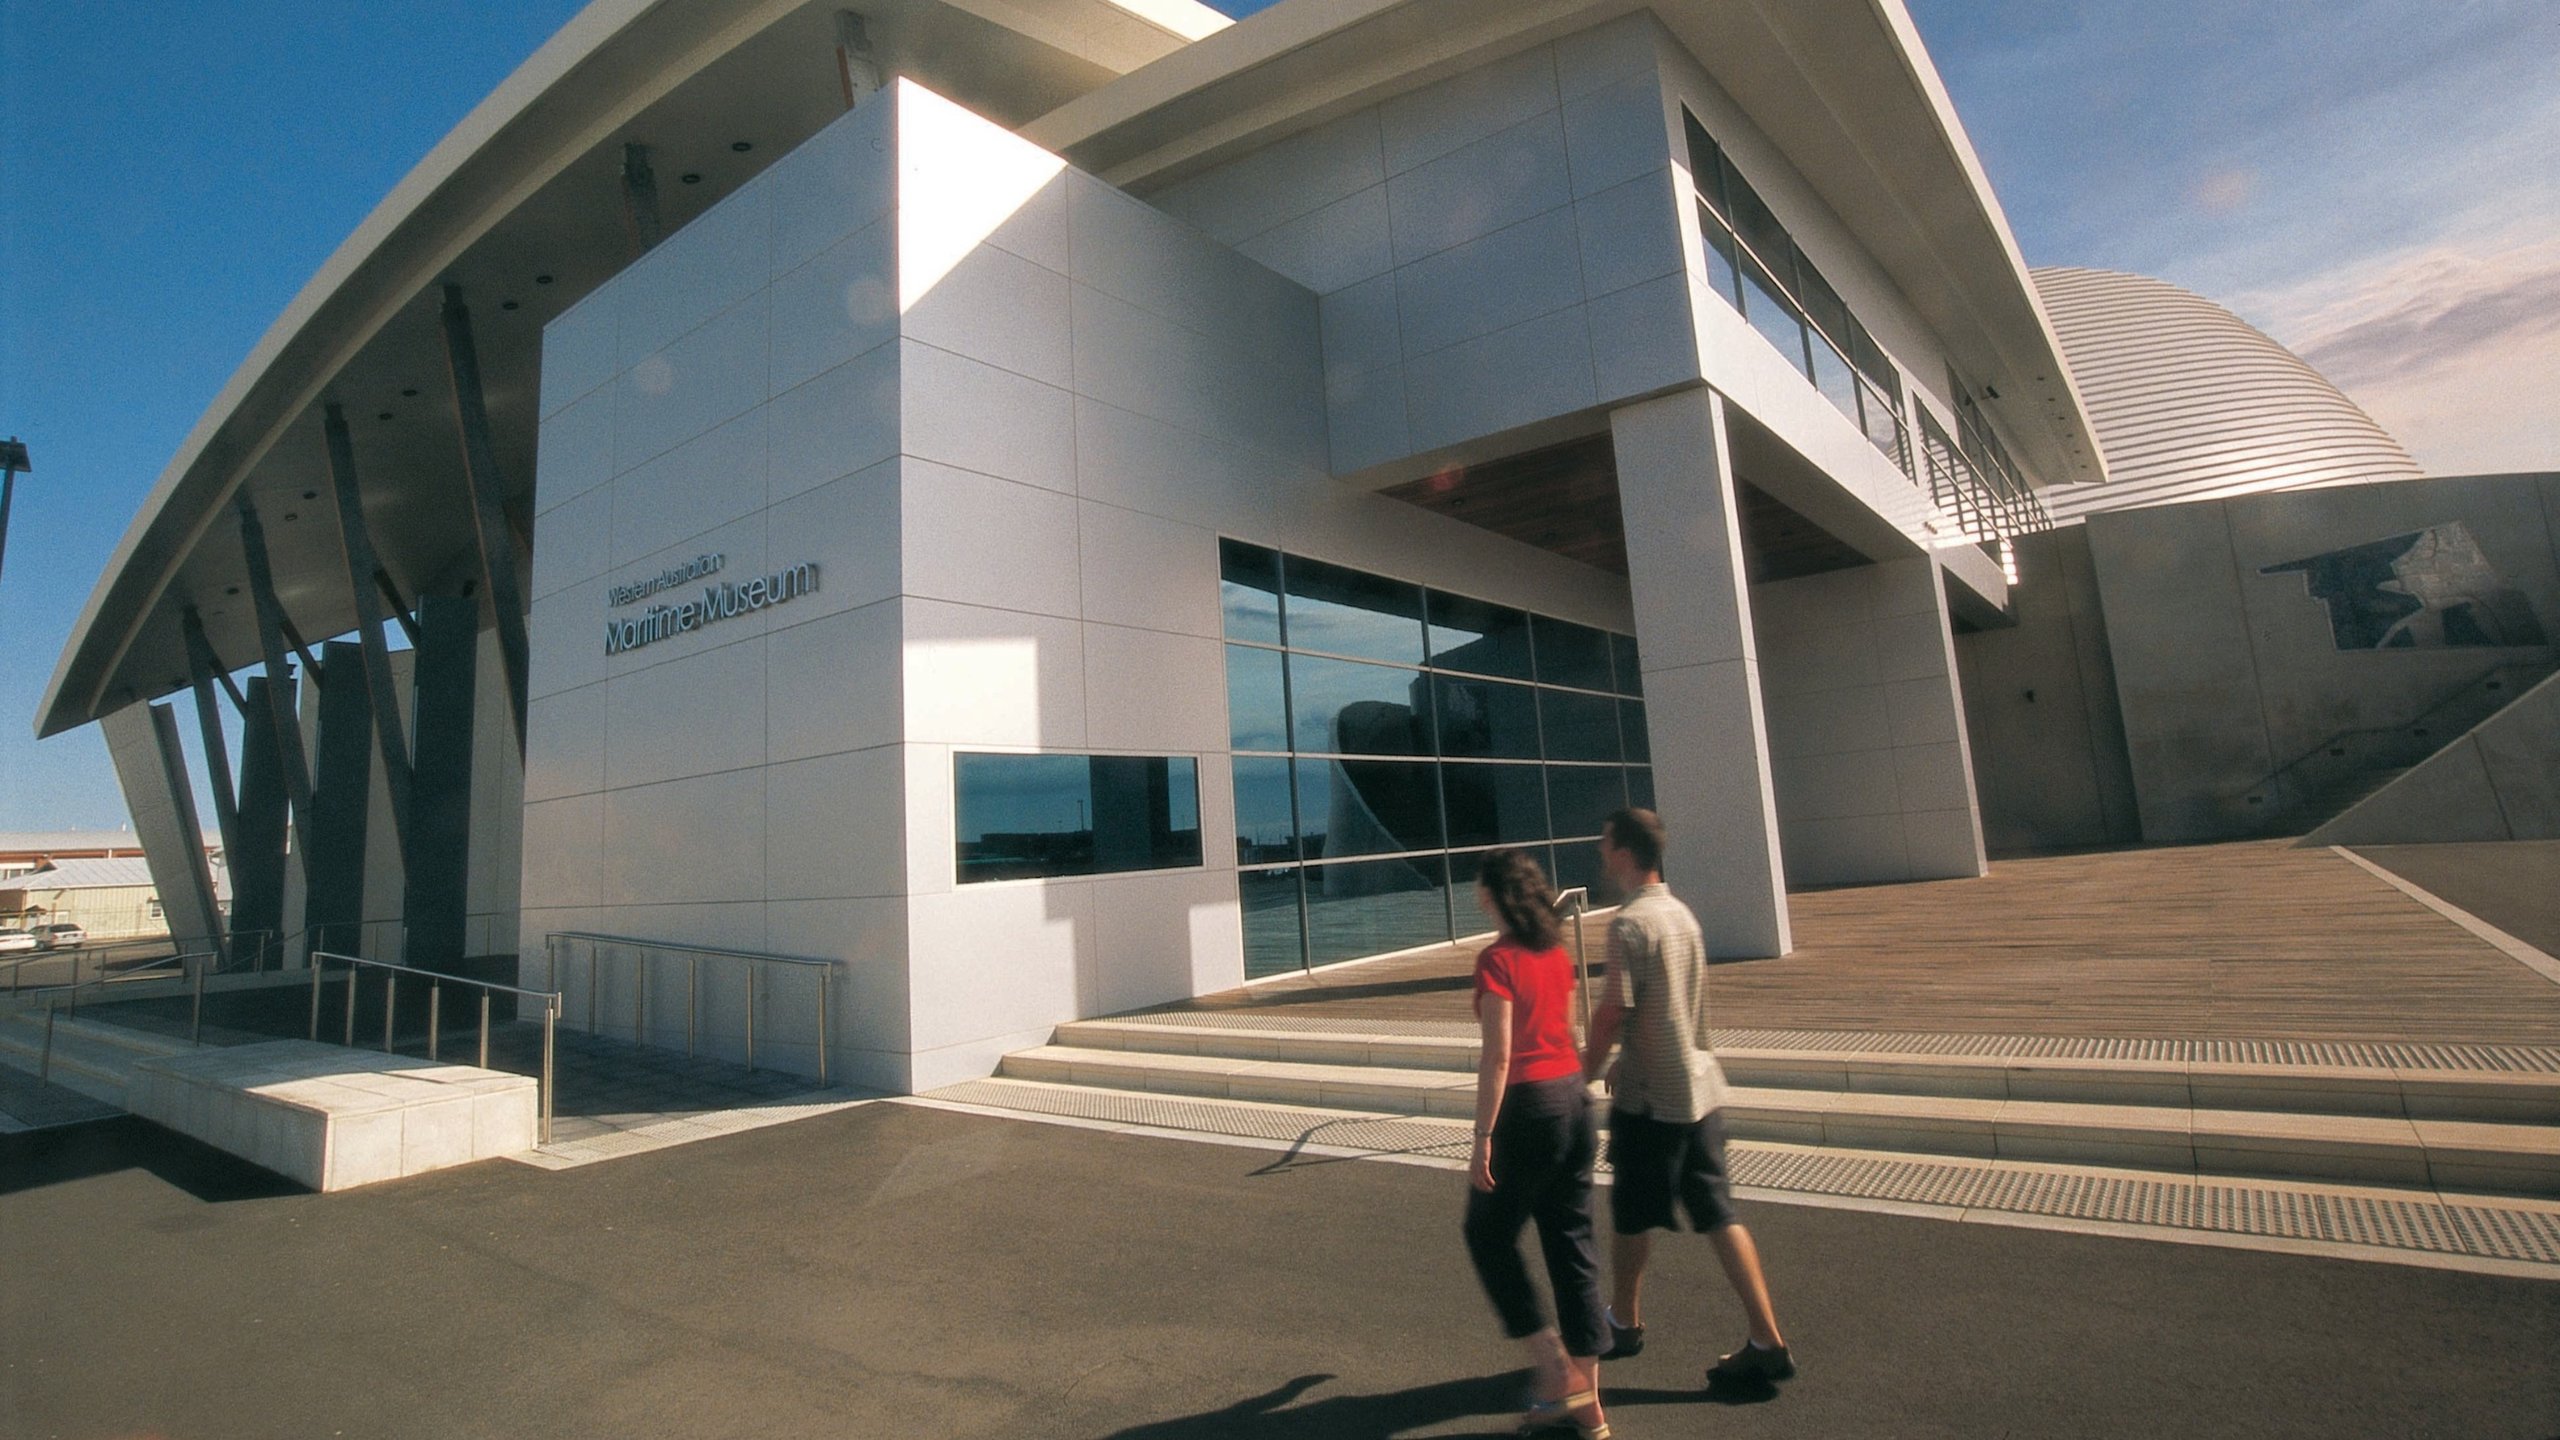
<point x="334" y="1118"/>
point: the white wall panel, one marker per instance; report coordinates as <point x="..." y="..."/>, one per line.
<point x="833" y="683"/>
<point x="843" y="302"/>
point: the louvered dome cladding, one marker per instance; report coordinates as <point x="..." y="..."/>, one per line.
<point x="2191" y="402"/>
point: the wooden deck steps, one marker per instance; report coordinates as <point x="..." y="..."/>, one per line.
<point x="2473" y="1119"/>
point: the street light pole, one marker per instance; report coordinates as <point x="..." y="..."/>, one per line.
<point x="13" y="459"/>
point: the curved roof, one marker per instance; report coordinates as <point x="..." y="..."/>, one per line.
<point x="521" y="207"/>
<point x="2192" y="402"/>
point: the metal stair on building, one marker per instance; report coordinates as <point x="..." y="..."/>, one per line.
<point x="2452" y="1150"/>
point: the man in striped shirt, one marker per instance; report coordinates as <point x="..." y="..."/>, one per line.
<point x="1666" y="1132"/>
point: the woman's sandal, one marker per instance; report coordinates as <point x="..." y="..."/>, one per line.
<point x="1557" y="1414"/>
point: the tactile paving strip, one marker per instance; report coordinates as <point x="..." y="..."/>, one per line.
<point x="2350" y="1054"/>
<point x="2417" y="1222"/>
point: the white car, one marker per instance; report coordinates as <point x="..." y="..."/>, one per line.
<point x="14" y="942"/>
<point x="60" y="937"/>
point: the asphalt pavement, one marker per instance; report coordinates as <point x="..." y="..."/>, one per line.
<point x="892" y="1270"/>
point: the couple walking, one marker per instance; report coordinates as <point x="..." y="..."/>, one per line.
<point x="1535" y="1141"/>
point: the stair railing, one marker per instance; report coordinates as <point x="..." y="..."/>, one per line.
<point x="560" y="942"/>
<point x="191" y="965"/>
<point x="1571" y="906"/>
<point x="2419" y="726"/>
<point x="321" y="960"/>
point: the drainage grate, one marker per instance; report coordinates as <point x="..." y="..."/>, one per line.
<point x="2344" y="1054"/>
<point x="2419" y="1223"/>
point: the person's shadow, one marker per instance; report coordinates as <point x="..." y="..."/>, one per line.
<point x="1275" y="1415"/>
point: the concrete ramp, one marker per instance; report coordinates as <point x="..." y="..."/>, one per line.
<point x="2499" y="781"/>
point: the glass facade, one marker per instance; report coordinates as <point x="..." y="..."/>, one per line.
<point x="1759" y="270"/>
<point x="1026" y="817"/>
<point x="1757" y="267"/>
<point x="1386" y="735"/>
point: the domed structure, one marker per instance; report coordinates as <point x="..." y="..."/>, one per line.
<point x="2191" y="402"/>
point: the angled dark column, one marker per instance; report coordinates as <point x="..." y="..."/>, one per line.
<point x="489" y="518"/>
<point x="640" y="199"/>
<point x="333" y="829"/>
<point x="857" y="69"/>
<point x="257" y="856"/>
<point x="285" y="726"/>
<point x="436" y="897"/>
<point x="361" y="569"/>
<point x="202" y="666"/>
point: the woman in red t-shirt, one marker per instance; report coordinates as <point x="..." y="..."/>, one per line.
<point x="1535" y="1145"/>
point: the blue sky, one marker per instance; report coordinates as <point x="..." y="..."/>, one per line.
<point x="2371" y="180"/>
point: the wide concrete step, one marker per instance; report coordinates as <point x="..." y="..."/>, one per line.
<point x="2456" y="1154"/>
<point x="95" y="1059"/>
<point x="2357" y="1221"/>
<point x="2458" y="1087"/>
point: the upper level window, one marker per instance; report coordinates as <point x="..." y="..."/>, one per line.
<point x="1760" y="270"/>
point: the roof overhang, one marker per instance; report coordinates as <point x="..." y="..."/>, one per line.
<point x="1843" y="87"/>
<point x="521" y="203"/>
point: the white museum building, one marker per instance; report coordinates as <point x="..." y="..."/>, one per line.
<point x="1059" y="506"/>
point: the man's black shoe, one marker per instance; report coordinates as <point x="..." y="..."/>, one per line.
<point x="1752" y="1364"/>
<point x="1626" y="1342"/>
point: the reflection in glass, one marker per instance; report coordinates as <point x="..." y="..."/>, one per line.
<point x="1570" y="654"/>
<point x="1629" y="665"/>
<point x="1771" y="314"/>
<point x="1345" y="707"/>
<point x="1640" y="787"/>
<point x="1579" y="727"/>
<point x="1274" y="942"/>
<point x="1495" y="804"/>
<point x="1577" y="862"/>
<point x="1249" y="591"/>
<point x="1478" y="638"/>
<point x="1367" y="807"/>
<point x="1487" y="719"/>
<point x="1346" y="612"/>
<point x="1579" y="797"/>
<point x="1832" y="376"/>
<point x="1631" y="726"/>
<point x="1257" y="706"/>
<point x="1027" y="816"/>
<point x="1266" y="823"/>
<point x="1375" y="906"/>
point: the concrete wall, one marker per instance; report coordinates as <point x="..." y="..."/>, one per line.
<point x="1009" y="411"/>
<point x="1866" y="732"/>
<point x="2227" y="676"/>
<point x="2501" y="781"/>
<point x="1493" y="250"/>
<point x="734" y="392"/>
<point x="2047" y="739"/>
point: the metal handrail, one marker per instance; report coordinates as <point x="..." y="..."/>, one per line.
<point x="1571" y="906"/>
<point x="436" y="981"/>
<point x="53" y="1003"/>
<point x="694" y="956"/>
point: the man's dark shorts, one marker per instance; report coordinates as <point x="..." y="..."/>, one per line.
<point x="1657" y="1160"/>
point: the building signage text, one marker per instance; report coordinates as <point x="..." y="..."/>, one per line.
<point x="720" y="600"/>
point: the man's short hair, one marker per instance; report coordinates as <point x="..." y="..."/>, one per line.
<point x="1639" y="833"/>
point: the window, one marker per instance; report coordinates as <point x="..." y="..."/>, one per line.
<point x="1023" y="817"/>
<point x="1387" y="735"/>
<point x="1760" y="270"/>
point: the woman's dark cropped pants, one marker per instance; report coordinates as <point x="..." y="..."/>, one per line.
<point x="1544" y="1144"/>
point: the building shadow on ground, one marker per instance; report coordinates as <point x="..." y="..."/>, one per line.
<point x="37" y="1158"/>
<point x="1282" y="1413"/>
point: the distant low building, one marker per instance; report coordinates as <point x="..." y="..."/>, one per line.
<point x="110" y="898"/>
<point x="22" y="851"/>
